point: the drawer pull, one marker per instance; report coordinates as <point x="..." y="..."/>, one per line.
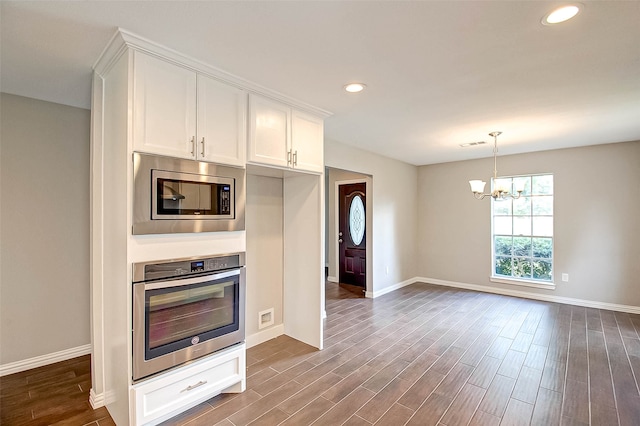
<point x="192" y="387"/>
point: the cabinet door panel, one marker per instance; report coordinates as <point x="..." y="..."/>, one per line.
<point x="307" y="141"/>
<point x="164" y="106"/>
<point x="269" y="132"/>
<point x="222" y="111"/>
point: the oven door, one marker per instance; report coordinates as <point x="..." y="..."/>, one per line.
<point x="176" y="321"/>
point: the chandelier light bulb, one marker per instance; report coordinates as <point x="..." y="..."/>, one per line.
<point x="477" y="185"/>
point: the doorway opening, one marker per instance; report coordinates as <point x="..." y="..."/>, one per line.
<point x="348" y="236"/>
<point x="352" y="236"/>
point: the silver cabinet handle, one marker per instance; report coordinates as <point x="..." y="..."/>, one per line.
<point x="202" y="142"/>
<point x="192" y="387"/>
<point x="295" y="158"/>
<point x="193" y="146"/>
<point x="288" y="157"/>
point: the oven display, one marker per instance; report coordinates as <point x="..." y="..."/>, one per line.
<point x="197" y="266"/>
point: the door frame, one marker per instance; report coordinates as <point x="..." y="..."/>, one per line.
<point x="368" y="210"/>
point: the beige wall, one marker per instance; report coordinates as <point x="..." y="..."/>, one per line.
<point x="44" y="226"/>
<point x="264" y="221"/>
<point x="596" y="225"/>
<point x="395" y="210"/>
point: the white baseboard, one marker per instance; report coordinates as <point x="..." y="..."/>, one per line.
<point x="96" y="399"/>
<point x="39" y="361"/>
<point x="374" y="294"/>
<point x="535" y="296"/>
<point x="263" y="336"/>
<point x="332" y="279"/>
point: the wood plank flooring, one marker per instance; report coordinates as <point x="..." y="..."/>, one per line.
<point x="431" y="355"/>
<point x="54" y="394"/>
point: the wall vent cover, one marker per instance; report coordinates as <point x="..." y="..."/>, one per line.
<point x="464" y="145"/>
<point x="265" y="318"/>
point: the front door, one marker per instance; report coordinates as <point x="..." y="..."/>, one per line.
<point x="352" y="241"/>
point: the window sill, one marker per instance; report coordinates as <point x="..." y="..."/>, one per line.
<point x="524" y="283"/>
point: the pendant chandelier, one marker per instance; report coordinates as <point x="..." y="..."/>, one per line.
<point x="500" y="190"/>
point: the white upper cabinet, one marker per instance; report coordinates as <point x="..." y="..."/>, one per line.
<point x="307" y="136"/>
<point x="284" y="137"/>
<point x="180" y="113"/>
<point x="269" y="131"/>
<point x="164" y="107"/>
<point x="222" y="122"/>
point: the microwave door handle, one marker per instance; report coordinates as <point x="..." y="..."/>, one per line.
<point x="178" y="282"/>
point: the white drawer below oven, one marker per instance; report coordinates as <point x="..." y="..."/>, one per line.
<point x="168" y="394"/>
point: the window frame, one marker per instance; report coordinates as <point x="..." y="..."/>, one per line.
<point x="526" y="281"/>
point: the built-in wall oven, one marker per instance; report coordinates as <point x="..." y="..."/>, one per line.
<point x="173" y="195"/>
<point x="184" y="309"/>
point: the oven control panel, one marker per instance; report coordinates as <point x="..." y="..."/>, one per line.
<point x="184" y="267"/>
<point x="197" y="266"/>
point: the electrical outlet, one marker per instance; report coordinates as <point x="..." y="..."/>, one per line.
<point x="565" y="278"/>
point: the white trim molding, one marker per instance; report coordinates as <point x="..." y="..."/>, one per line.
<point x="524" y="283"/>
<point x="96" y="399"/>
<point x="332" y="279"/>
<point x="123" y="39"/>
<point x="39" y="361"/>
<point x="389" y="289"/>
<point x="263" y="336"/>
<point x="536" y="296"/>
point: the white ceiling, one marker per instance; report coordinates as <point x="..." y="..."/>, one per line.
<point x="439" y="73"/>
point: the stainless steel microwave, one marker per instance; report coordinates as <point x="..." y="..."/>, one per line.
<point x="173" y="195"/>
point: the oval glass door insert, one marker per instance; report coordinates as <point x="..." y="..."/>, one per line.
<point x="356" y="220"/>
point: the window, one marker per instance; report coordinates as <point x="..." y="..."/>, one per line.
<point x="523" y="230"/>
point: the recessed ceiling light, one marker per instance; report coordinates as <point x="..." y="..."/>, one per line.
<point x="355" y="87"/>
<point x="561" y="14"/>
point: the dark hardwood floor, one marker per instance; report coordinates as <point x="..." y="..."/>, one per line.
<point x="421" y="355"/>
<point x="54" y="394"/>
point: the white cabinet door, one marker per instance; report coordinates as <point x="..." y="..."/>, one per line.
<point x="164" y="107"/>
<point x="169" y="393"/>
<point x="269" y="132"/>
<point x="307" y="142"/>
<point x="222" y="111"/>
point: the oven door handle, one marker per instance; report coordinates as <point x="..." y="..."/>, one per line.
<point x="179" y="282"/>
